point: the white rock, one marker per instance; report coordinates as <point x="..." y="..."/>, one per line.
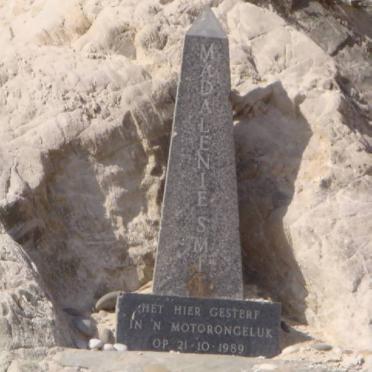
<point x="108" y="347"/>
<point x="120" y="347"/>
<point x="95" y="344"/>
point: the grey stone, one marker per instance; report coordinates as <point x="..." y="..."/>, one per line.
<point x="108" y="301"/>
<point x="199" y="252"/>
<point x="85" y="325"/>
<point x="195" y="325"/>
<point x="322" y="347"/>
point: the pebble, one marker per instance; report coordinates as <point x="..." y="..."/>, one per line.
<point x="85" y="325"/>
<point x="120" y="347"/>
<point x="108" y="347"/>
<point x="322" y="347"/>
<point x="108" y="301"/>
<point x="264" y="367"/>
<point x="95" y="344"/>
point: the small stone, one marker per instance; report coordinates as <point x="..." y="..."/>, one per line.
<point x="85" y="325"/>
<point x="120" y="347"/>
<point x="95" y="344"/>
<point x="290" y="349"/>
<point x="108" y="301"/>
<point x="106" y="335"/>
<point x="108" y="347"/>
<point x="322" y="347"/>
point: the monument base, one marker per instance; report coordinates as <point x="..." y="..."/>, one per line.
<point x="198" y="325"/>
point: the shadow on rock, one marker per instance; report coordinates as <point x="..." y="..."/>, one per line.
<point x="270" y="138"/>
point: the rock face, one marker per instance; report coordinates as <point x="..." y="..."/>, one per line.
<point x="87" y="94"/>
<point x="28" y="317"/>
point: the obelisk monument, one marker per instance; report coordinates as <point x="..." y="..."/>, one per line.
<point x="199" y="253"/>
<point x="197" y="303"/>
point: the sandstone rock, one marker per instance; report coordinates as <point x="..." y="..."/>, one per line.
<point x="28" y="317"/>
<point x="293" y="173"/>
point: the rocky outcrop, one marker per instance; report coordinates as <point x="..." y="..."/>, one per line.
<point x="87" y="93"/>
<point x="28" y="316"/>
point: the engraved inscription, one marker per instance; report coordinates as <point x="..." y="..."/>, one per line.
<point x="203" y="165"/>
<point x="199" y="325"/>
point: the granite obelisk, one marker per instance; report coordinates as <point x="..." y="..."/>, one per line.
<point x="199" y="253"/>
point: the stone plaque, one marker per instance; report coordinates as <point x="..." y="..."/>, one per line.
<point x="199" y="253"/>
<point x="192" y="325"/>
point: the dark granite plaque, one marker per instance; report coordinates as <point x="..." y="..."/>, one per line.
<point x="194" y="325"/>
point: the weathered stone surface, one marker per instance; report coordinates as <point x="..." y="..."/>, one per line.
<point x="28" y="316"/>
<point x="199" y="250"/>
<point x="132" y="362"/>
<point x="191" y="325"/>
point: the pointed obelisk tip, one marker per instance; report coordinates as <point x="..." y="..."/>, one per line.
<point x="207" y="25"/>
